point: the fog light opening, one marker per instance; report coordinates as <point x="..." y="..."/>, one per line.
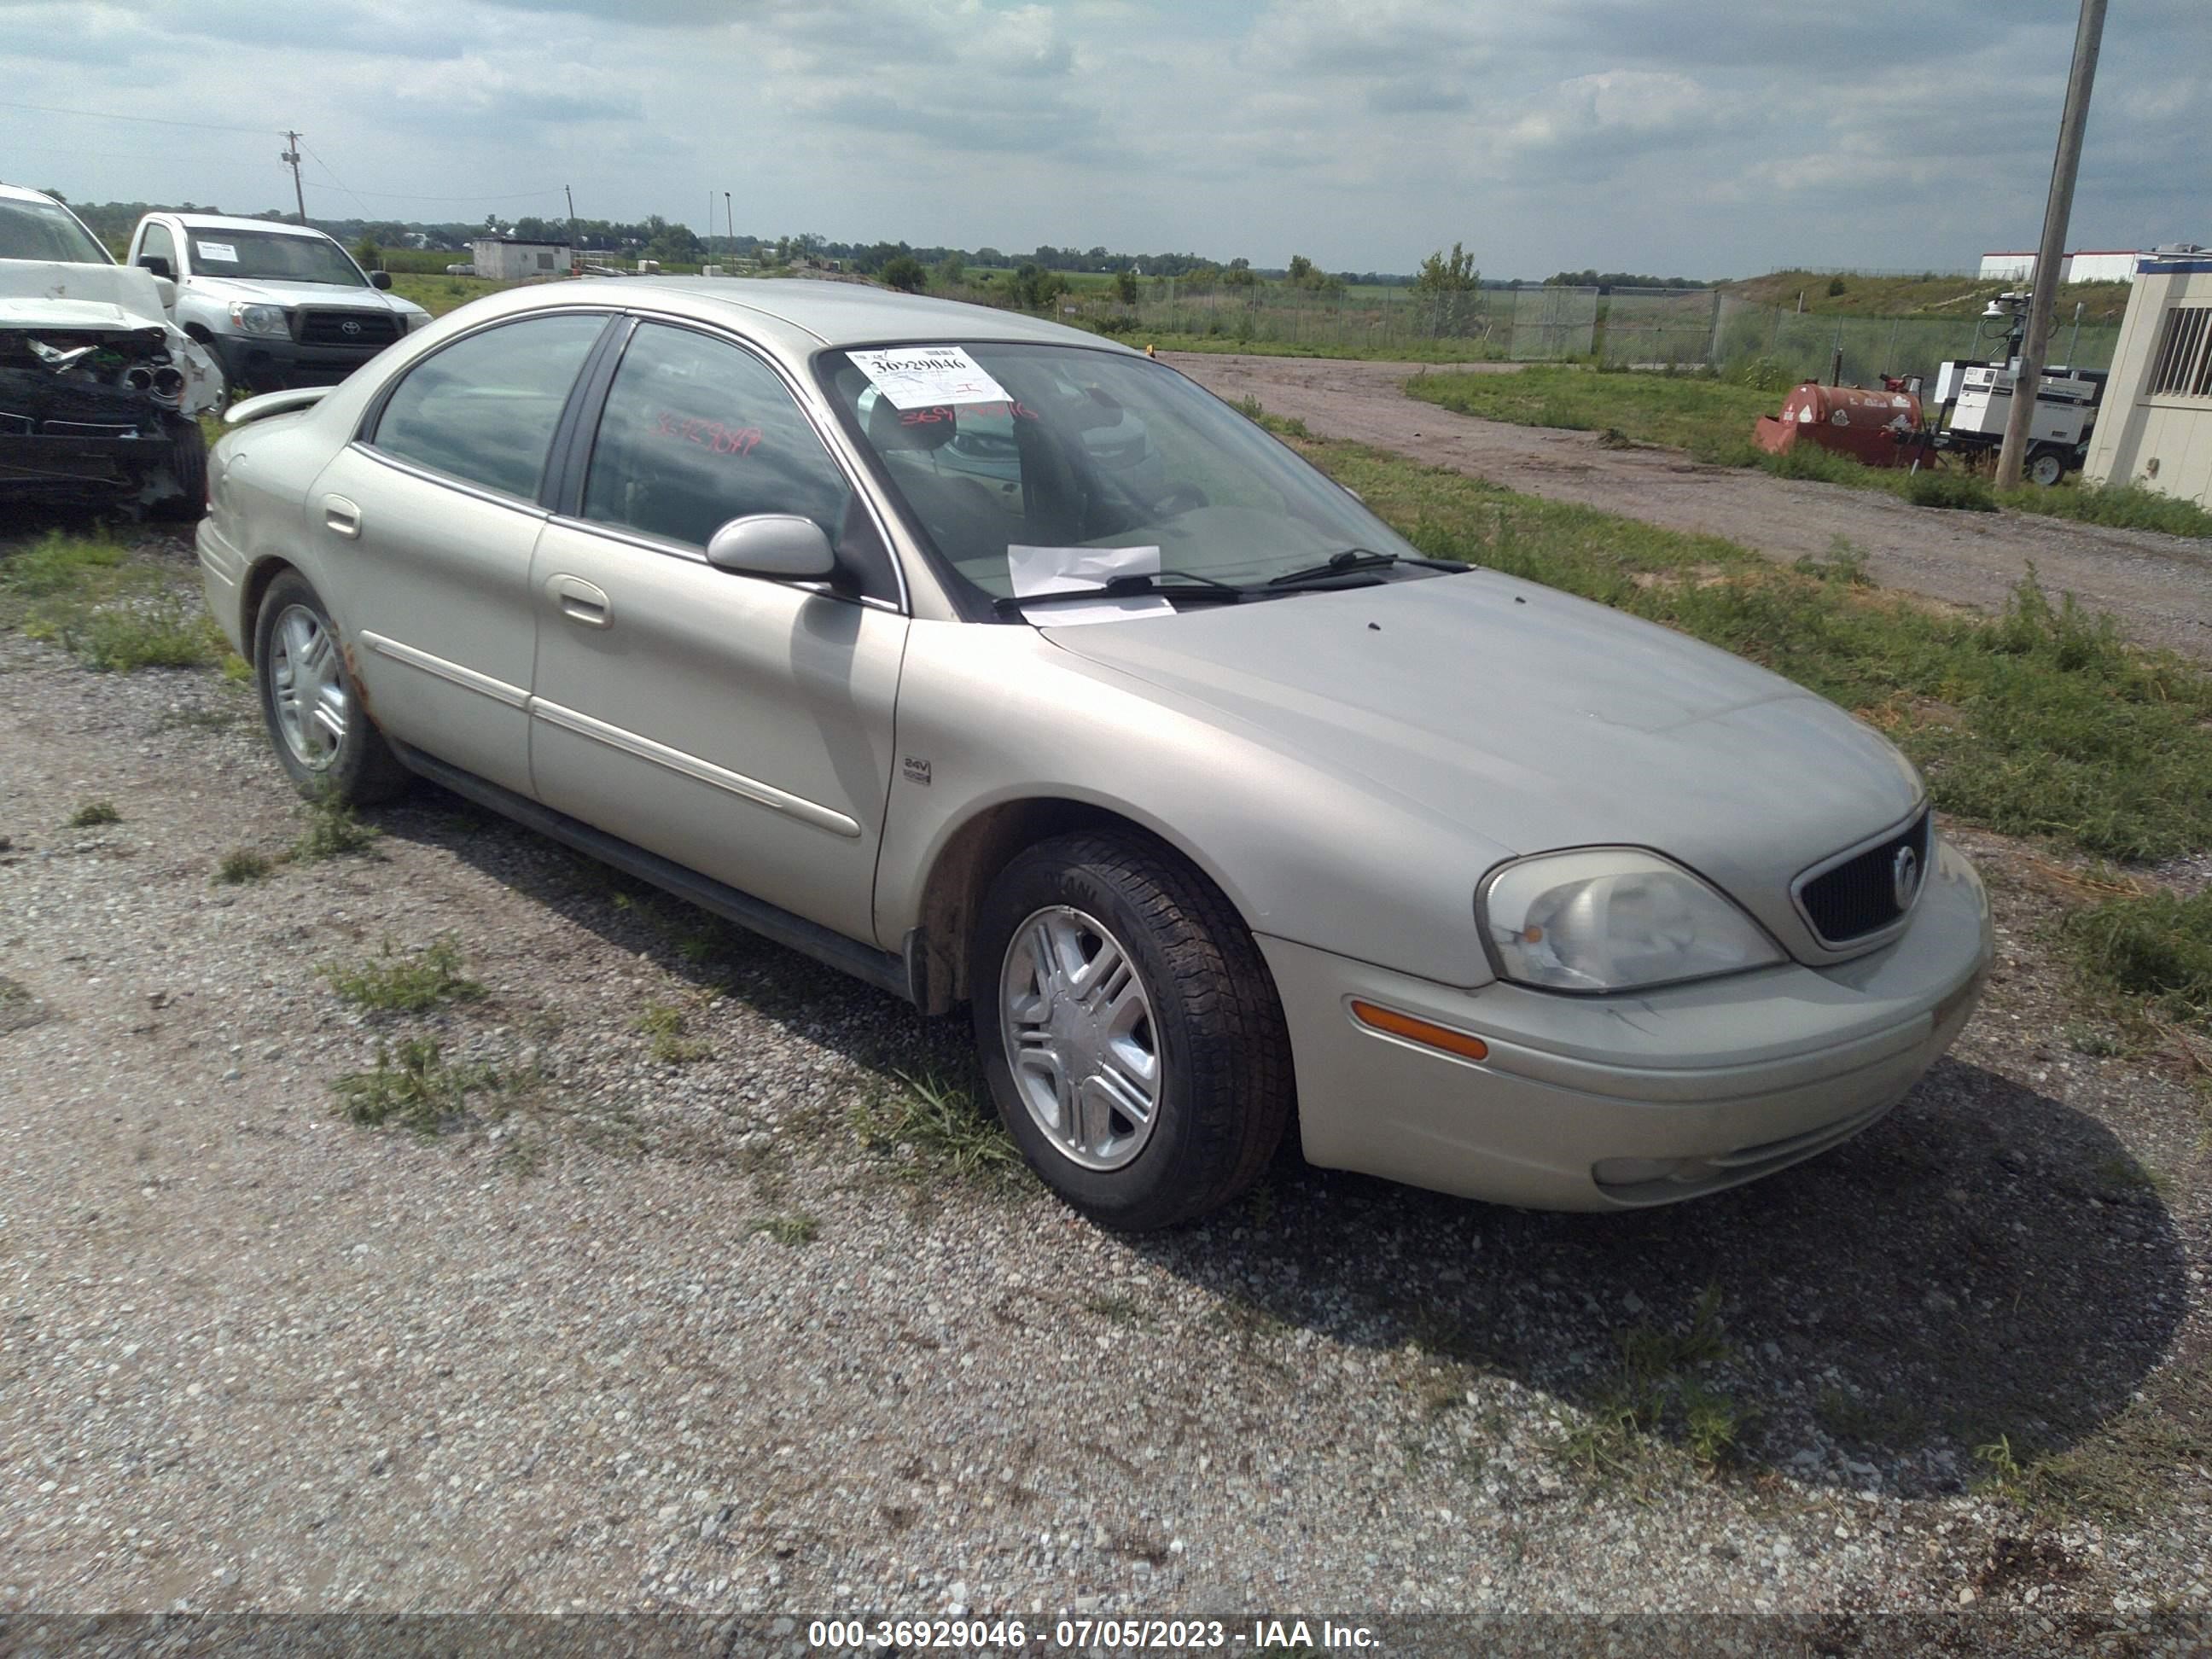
<point x="1428" y="1034"/>
<point x="1642" y="1171"/>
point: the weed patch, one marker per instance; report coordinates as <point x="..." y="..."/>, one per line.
<point x="1654" y="1390"/>
<point x="412" y="1085"/>
<point x="242" y="864"/>
<point x="663" y="1023"/>
<point x="405" y="985"/>
<point x="92" y="814"/>
<point x="792" y="1230"/>
<point x="108" y="609"/>
<point x="1941" y="487"/>
<point x="2154" y="949"/>
<point x="933" y="1128"/>
<point x="333" y="831"/>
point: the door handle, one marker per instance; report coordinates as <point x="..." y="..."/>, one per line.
<point x="581" y="601"/>
<point x="342" y="516"/>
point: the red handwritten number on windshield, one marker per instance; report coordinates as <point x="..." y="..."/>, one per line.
<point x="707" y="434"/>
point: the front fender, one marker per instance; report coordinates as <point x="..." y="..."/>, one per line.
<point x="989" y="716"/>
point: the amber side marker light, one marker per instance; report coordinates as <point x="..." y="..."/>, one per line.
<point x="1420" y="1031"/>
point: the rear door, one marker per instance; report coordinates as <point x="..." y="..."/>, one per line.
<point x="425" y="525"/>
<point x="741" y="726"/>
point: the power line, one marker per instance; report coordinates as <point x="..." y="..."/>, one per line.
<point x="410" y="196"/>
<point x="148" y="120"/>
<point x="335" y="179"/>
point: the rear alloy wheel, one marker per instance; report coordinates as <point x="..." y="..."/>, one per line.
<point x="323" y="735"/>
<point x="2045" y="467"/>
<point x="1129" y="1030"/>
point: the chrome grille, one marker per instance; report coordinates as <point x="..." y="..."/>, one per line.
<point x="1859" y="895"/>
<point x="370" y="328"/>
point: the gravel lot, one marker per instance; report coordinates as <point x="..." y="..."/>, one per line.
<point x="2159" y="588"/>
<point x="584" y="1350"/>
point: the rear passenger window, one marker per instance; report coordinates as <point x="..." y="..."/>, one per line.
<point x="697" y="433"/>
<point x="483" y="409"/>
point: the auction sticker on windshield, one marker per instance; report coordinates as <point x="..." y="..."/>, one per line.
<point x="924" y="377"/>
<point x="221" y="252"/>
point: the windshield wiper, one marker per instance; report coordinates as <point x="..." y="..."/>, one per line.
<point x="1135" y="585"/>
<point x="1352" y="561"/>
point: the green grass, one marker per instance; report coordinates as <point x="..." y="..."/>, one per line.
<point x="1686" y="411"/>
<point x="664" y="1024"/>
<point x="791" y="1230"/>
<point x="332" y="831"/>
<point x="1655" y="1389"/>
<point x="1928" y="295"/>
<point x="110" y="609"/>
<point x="411" y="1085"/>
<point x="2040" y="722"/>
<point x="407" y="984"/>
<point x="242" y="864"/>
<point x="1712" y="418"/>
<point x="937" y="1129"/>
<point x="2155" y="949"/>
<point x="94" y="813"/>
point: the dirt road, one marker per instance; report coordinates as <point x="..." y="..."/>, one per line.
<point x="2158" y="588"/>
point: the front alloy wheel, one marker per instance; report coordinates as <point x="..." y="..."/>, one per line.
<point x="1129" y="1028"/>
<point x="1078" y="1028"/>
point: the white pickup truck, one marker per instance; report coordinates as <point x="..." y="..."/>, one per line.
<point x="279" y="305"/>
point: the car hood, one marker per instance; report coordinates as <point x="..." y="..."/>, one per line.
<point x="257" y="291"/>
<point x="41" y="297"/>
<point x="87" y="299"/>
<point x="1533" y="720"/>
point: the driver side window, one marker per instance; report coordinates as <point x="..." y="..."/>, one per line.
<point x="696" y="432"/>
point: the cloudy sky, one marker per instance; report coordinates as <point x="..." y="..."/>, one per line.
<point x="1704" y="137"/>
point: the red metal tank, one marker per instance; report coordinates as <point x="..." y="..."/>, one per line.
<point x="1865" y="425"/>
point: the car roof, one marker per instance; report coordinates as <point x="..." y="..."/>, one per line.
<point x="832" y="314"/>
<point x="234" y="221"/>
<point x="25" y="194"/>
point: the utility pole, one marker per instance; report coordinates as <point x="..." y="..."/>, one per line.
<point x="291" y="156"/>
<point x="576" y="254"/>
<point x="730" y="218"/>
<point x="2027" y="378"/>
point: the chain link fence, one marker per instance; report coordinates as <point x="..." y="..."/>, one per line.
<point x="1676" y="329"/>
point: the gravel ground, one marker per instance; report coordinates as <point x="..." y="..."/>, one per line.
<point x="2159" y="588"/>
<point x="694" y="1331"/>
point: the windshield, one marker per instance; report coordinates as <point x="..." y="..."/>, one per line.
<point x="1076" y="448"/>
<point x="272" y="256"/>
<point x="46" y="230"/>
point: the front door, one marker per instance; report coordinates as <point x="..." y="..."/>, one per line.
<point x="426" y="526"/>
<point x="738" y="725"/>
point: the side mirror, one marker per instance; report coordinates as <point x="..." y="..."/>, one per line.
<point x="166" y="292"/>
<point x="156" y="263"/>
<point x="778" y="544"/>
<point x="379" y="279"/>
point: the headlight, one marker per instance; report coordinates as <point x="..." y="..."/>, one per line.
<point x="257" y="319"/>
<point x="417" y="319"/>
<point x="1614" y="918"/>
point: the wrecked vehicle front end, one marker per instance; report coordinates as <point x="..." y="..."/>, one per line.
<point x="100" y="393"/>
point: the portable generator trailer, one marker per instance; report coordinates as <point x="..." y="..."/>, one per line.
<point x="1965" y="419"/>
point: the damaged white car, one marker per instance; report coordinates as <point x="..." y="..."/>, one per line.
<point x="99" y="390"/>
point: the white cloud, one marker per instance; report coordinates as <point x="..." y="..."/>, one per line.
<point x="1546" y="134"/>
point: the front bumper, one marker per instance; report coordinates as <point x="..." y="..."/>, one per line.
<point x="1675" y="1092"/>
<point x="268" y="363"/>
<point x="72" y="469"/>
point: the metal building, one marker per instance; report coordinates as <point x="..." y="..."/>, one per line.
<point x="2082" y="265"/>
<point x="510" y="260"/>
<point x="2155" y="428"/>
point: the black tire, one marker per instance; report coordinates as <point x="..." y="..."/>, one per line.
<point x="187" y="474"/>
<point x="2045" y="467"/>
<point x="360" y="768"/>
<point x="1226" y="1091"/>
